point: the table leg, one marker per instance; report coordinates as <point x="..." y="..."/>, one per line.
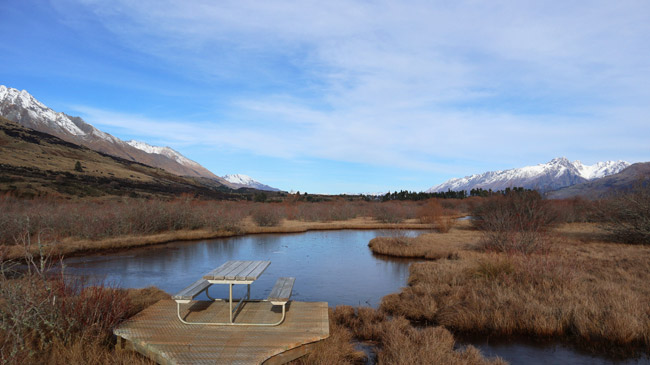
<point x="230" y="285"/>
<point x="248" y="294"/>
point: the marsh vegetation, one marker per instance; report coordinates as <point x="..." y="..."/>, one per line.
<point x="573" y="270"/>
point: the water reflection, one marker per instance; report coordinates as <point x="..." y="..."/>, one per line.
<point x="332" y="266"/>
<point x="528" y="351"/>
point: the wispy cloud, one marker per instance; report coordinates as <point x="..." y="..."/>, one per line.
<point x="389" y="82"/>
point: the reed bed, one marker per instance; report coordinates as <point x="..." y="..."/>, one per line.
<point x="396" y="341"/>
<point x="589" y="292"/>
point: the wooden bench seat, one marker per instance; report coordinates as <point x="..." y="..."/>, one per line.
<point x="280" y="295"/>
<point x="281" y="291"/>
<point x="187" y="294"/>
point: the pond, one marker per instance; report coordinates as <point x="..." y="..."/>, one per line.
<point x="332" y="266"/>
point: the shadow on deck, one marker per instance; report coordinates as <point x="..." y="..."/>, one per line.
<point x="157" y="333"/>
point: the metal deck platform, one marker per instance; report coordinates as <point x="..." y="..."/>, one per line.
<point x="157" y="333"/>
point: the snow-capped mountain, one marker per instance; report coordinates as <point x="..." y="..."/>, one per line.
<point x="23" y="108"/>
<point x="165" y="151"/>
<point x="244" y="181"/>
<point x="556" y="174"/>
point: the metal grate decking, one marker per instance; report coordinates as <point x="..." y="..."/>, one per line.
<point x="157" y="333"/>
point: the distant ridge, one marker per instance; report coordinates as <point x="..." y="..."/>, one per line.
<point x="608" y="185"/>
<point x="555" y="174"/>
<point x="245" y="181"/>
<point x="22" y="108"/>
<point x="34" y="163"/>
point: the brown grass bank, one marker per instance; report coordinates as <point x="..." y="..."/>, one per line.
<point x="396" y="341"/>
<point x="430" y="246"/>
<point x="75" y="227"/>
<point x="582" y="289"/>
<point x="71" y="246"/>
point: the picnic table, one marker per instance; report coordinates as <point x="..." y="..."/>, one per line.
<point x="236" y="273"/>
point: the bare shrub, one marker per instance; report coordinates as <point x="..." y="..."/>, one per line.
<point x="105" y="219"/>
<point x="627" y="216"/>
<point x="444" y="224"/>
<point x="391" y="212"/>
<point x="267" y="215"/>
<point x="574" y="210"/>
<point x="324" y="211"/>
<point x="517" y="222"/>
<point x="432" y="212"/>
<point x="47" y="317"/>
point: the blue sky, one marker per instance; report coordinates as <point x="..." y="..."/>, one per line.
<point x="345" y="96"/>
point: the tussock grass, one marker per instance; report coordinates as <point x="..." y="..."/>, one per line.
<point x="594" y="294"/>
<point x="338" y="348"/>
<point x="431" y="246"/>
<point x="398" y="342"/>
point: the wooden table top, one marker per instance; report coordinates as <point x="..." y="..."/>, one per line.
<point x="238" y="271"/>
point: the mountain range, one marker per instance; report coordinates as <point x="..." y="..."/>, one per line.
<point x="22" y="108"/>
<point x="555" y="174"/>
<point x="600" y="188"/>
<point x="34" y="163"/>
<point x="245" y="181"/>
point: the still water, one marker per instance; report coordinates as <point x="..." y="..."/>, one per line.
<point x="332" y="266"/>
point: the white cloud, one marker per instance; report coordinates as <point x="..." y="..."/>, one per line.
<point x="390" y="82"/>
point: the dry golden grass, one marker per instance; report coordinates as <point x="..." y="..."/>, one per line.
<point x="592" y="292"/>
<point x="431" y="246"/>
<point x="336" y="349"/>
<point x="74" y="246"/>
<point x="81" y="352"/>
<point x="398" y="342"/>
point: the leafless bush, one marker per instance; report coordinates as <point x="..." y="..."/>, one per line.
<point x="574" y="210"/>
<point x="392" y="212"/>
<point x="324" y="211"/>
<point x="40" y="309"/>
<point x="516" y="222"/>
<point x="267" y="214"/>
<point x="104" y="219"/>
<point x="430" y="212"/>
<point x="627" y="215"/>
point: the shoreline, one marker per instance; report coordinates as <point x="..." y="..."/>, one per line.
<point x="71" y="247"/>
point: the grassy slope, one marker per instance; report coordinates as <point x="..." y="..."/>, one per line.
<point x="38" y="164"/>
